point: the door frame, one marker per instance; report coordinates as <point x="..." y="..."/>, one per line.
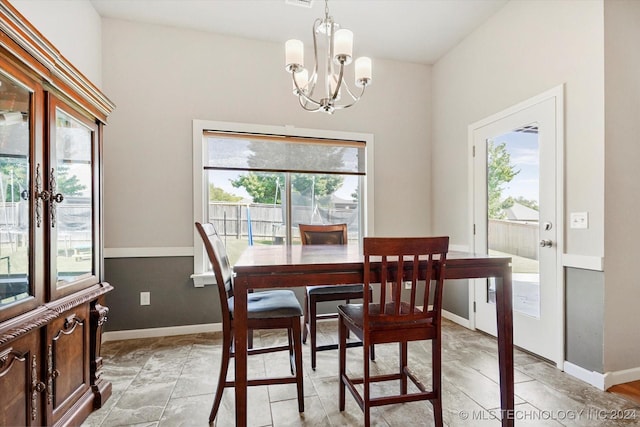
<point x="557" y="94"/>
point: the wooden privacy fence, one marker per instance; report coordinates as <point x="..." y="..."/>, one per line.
<point x="230" y="219"/>
<point x="514" y="237"/>
<point x="267" y="220"/>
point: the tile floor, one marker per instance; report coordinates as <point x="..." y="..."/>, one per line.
<point x="170" y="382"/>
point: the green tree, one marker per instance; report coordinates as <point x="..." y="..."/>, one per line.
<point x="499" y="172"/>
<point x="263" y="187"/>
<point x="219" y="195"/>
<point x="16" y="168"/>
<point x="267" y="187"/>
<point x="68" y="185"/>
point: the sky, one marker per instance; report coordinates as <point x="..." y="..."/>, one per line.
<point x="523" y="149"/>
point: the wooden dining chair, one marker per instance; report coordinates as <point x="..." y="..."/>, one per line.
<point x="272" y="309"/>
<point x="326" y="234"/>
<point x="397" y="316"/>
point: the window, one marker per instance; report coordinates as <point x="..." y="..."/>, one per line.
<point x="257" y="183"/>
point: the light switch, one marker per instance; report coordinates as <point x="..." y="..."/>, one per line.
<point x="579" y="220"/>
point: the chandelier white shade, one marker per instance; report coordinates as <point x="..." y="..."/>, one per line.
<point x="338" y="44"/>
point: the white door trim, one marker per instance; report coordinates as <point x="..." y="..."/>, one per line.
<point x="556" y="93"/>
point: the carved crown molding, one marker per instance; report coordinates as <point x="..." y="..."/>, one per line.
<point x="23" y="40"/>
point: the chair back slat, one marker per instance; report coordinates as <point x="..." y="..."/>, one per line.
<point x="325" y="234"/>
<point x="219" y="259"/>
<point x="392" y="261"/>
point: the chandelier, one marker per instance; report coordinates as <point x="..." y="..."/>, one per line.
<point x="339" y="49"/>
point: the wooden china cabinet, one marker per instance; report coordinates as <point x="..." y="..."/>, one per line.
<point x="51" y="257"/>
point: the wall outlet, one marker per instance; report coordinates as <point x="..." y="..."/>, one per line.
<point x="145" y="298"/>
<point x="407" y="285"/>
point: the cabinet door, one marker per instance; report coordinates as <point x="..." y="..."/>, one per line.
<point x="67" y="368"/>
<point x="73" y="206"/>
<point x="20" y="385"/>
<point x="21" y="103"/>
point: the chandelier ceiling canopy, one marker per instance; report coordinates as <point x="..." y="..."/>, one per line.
<point x="338" y="44"/>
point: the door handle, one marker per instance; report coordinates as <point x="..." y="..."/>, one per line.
<point x="546" y="243"/>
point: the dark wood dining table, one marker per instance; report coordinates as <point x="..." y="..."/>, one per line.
<point x="284" y="266"/>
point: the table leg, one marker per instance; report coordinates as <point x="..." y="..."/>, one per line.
<point x="240" y="331"/>
<point x="505" y="345"/>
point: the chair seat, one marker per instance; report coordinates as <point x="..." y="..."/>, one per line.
<point x="271" y="304"/>
<point x="355" y="314"/>
<point x="333" y="289"/>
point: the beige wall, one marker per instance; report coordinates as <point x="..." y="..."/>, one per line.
<point x="525" y="49"/>
<point x="161" y="78"/>
<point x="622" y="184"/>
<point x="61" y="22"/>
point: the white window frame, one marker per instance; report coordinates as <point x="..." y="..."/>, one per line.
<point x="200" y="275"/>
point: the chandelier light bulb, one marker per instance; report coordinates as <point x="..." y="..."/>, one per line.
<point x="343" y="46"/>
<point x="363" y="71"/>
<point x="294" y="54"/>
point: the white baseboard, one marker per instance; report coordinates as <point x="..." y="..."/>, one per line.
<point x="621" y="377"/>
<point x="456" y="319"/>
<point x="160" y="332"/>
<point x="596" y="379"/>
<point x="602" y="381"/>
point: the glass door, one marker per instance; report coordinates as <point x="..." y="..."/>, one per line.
<point x="72" y="205"/>
<point x="516" y="183"/>
<point x="17" y="135"/>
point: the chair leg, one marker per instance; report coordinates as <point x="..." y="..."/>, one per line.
<point x="403" y="365"/>
<point x="222" y="378"/>
<point x="312" y="329"/>
<point x="436" y="361"/>
<point x="297" y="344"/>
<point x="305" y="330"/>
<point x="366" y="387"/>
<point x="292" y="350"/>
<point x="347" y="301"/>
<point x="342" y="357"/>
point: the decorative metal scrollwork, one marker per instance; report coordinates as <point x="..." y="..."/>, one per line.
<point x="53" y="197"/>
<point x="41" y="196"/>
<point x="49" y="196"/>
<point x="36" y="387"/>
<point x="51" y="374"/>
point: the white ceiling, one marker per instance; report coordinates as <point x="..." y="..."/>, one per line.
<point x="407" y="30"/>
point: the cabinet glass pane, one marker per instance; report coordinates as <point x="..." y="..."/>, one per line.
<point x="72" y="216"/>
<point x="14" y="184"/>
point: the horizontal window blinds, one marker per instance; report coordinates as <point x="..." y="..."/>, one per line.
<point x="275" y="153"/>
